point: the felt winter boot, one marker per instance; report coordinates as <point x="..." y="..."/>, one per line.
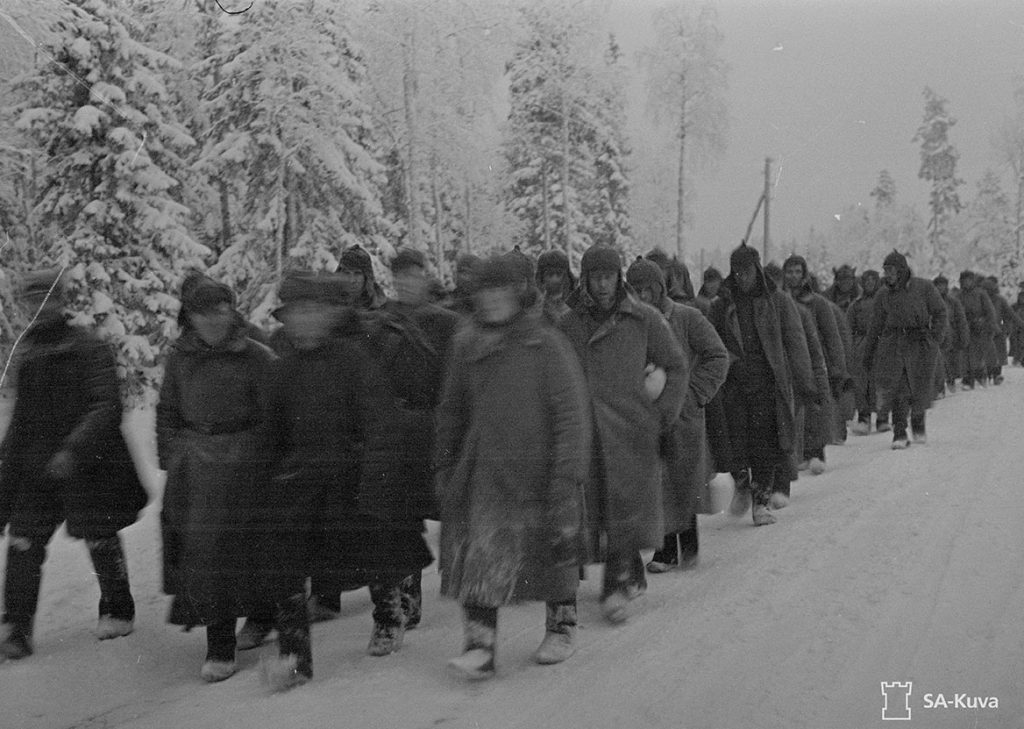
<point x="253" y="634"/>
<point x="294" y="664"/>
<point x="481" y="629"/>
<point x="17" y="643"/>
<point x="388" y="619"/>
<point x="412" y="600"/>
<point x="559" y="633"/>
<point x="220" y="661"/>
<point x="741" y="496"/>
<point x="117" y="607"/>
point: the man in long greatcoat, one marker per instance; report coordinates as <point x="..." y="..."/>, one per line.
<point x="616" y="336"/>
<point x="769" y="368"/>
<point x="902" y="346"/>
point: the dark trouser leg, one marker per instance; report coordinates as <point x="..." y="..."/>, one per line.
<point x="387" y="602"/>
<point x="763" y="476"/>
<point x="619" y="572"/>
<point x="689" y="541"/>
<point x="107" y="555"/>
<point x="780" y="481"/>
<point x="388" y="617"/>
<point x="900" y="407"/>
<point x="917" y="422"/>
<point x="412" y="599"/>
<point x="669" y="552"/>
<point x="25" y="557"/>
<point x="220" y="640"/>
<point x="292" y="621"/>
<point x="481" y="627"/>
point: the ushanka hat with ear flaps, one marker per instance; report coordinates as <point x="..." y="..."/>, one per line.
<point x="897" y="260"/>
<point x="200" y="293"/>
<point x="497" y="272"/>
<point x="600" y="258"/>
<point x="355" y="258"/>
<point x="744" y="256"/>
<point x="301" y="285"/>
<point x="645" y="273"/>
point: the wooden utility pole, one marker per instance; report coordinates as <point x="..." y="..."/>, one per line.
<point x="767" y="199"/>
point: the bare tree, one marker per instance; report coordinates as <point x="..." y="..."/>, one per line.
<point x="686" y="83"/>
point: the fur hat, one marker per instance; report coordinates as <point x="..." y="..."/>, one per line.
<point x="355" y="258"/>
<point x="743" y="256"/>
<point x="300" y="285"/>
<point x="897" y="260"/>
<point x="523" y="265"/>
<point x="408" y="258"/>
<point x="940" y="279"/>
<point x="200" y="293"/>
<point x="795" y="260"/>
<point x="644" y="273"/>
<point x="552" y="259"/>
<point x="712" y="274"/>
<point x="773" y="271"/>
<point x="600" y="258"/>
<point x="845" y="271"/>
<point x="498" y="271"/>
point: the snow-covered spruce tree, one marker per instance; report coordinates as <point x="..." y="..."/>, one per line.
<point x="563" y="140"/>
<point x="109" y="181"/>
<point x="938" y="166"/>
<point x="284" y="98"/>
<point x="606" y="218"/>
<point x="988" y="231"/>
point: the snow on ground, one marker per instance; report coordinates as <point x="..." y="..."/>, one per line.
<point x="892" y="566"/>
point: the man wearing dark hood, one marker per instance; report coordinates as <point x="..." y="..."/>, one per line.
<point x="954" y="341"/>
<point x="687" y="461"/>
<point x="902" y="346"/>
<point x="64" y="460"/>
<point x="209" y="433"/>
<point x="1017" y="336"/>
<point x="818" y="428"/>
<point x="356" y="271"/>
<point x="711" y="283"/>
<point x="982" y="325"/>
<point x="859" y="318"/>
<point x="770" y="368"/>
<point x="1006" y="321"/>
<point x="556" y="282"/>
<point x="844" y="290"/>
<point x="465" y="284"/>
<point x="616" y="337"/>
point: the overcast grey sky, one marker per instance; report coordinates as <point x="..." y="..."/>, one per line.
<point x="832" y="90"/>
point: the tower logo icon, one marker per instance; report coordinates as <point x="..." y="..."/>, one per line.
<point x="897" y="700"/>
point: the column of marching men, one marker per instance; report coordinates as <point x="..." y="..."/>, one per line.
<point x="546" y="422"/>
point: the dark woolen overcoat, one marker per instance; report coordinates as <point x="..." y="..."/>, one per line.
<point x="814" y="414"/>
<point x="512" y="453"/>
<point x="624" y="489"/>
<point x="843" y="391"/>
<point x="1017" y="335"/>
<point x="333" y="507"/>
<point x="1007" y="320"/>
<point x="982" y="325"/>
<point x="781" y="334"/>
<point x="903" y="341"/>
<point x="210" y="443"/>
<point x="954" y="341"/>
<point x="858" y="316"/>
<point x="68" y="399"/>
<point x="688" y="464"/>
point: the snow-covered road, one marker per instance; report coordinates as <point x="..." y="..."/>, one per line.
<point x="893" y="566"/>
